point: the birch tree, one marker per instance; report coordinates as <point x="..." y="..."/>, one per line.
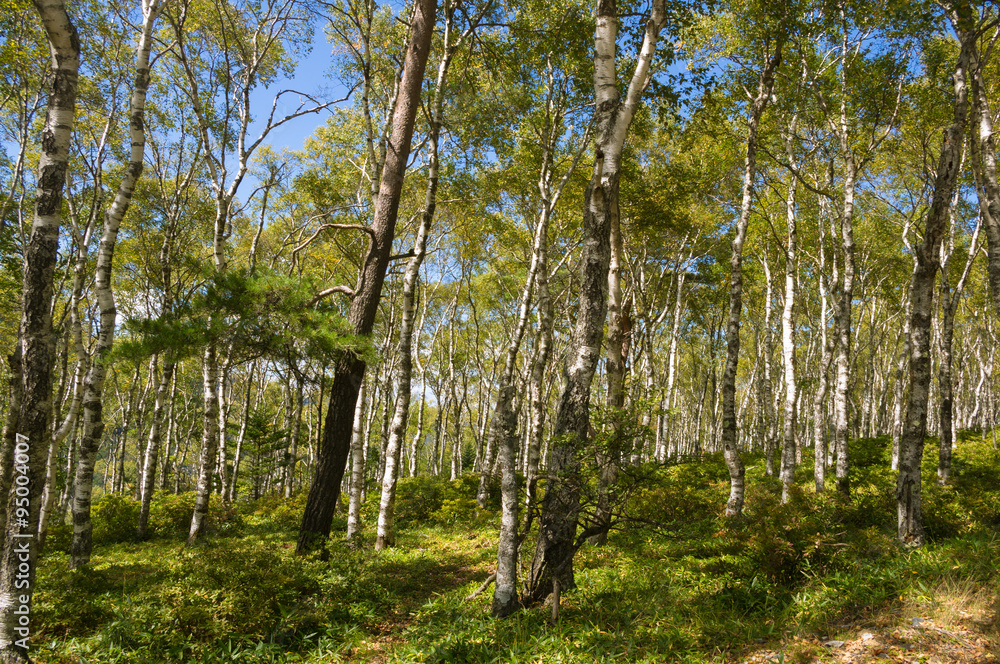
<point x="93" y="421"/>
<point x="551" y="567"/>
<point x="758" y="101"/>
<point x="503" y="424"/>
<point x="927" y="256"/>
<point x="984" y="156"/>
<point x="400" y="417"/>
<point x="36" y="341"/>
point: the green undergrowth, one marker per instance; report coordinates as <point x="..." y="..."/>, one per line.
<point x="675" y="583"/>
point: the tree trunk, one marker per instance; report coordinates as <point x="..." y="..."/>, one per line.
<point x="503" y="425"/>
<point x="241" y="436"/>
<point x="556" y="543"/>
<point x="900" y="389"/>
<point x="350" y="369"/>
<point x="765" y="85"/>
<point x="291" y="457"/>
<point x="985" y="170"/>
<point x="36" y="341"/>
<point x="546" y="319"/>
<point x="608" y="459"/>
<point x="671" y="396"/>
<point x="93" y="424"/>
<point x="153" y="449"/>
<point x="949" y="306"/>
<point x="209" y="442"/>
<point x="357" y="467"/>
<point x="222" y="463"/>
<point x="789" y="448"/>
<point x="910" y="520"/>
<point x="401" y="414"/>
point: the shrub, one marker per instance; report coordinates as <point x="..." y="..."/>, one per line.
<point x="457" y="510"/>
<point x="115" y="519"/>
<point x="416" y="499"/>
<point x="275" y="512"/>
<point x="421" y="500"/>
<point x="170" y="513"/>
<point x="678" y="497"/>
<point x="870" y="452"/>
<point x="784" y="541"/>
<point x="59" y="537"/>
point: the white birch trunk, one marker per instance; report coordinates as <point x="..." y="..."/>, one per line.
<point x="789" y="447"/>
<point x="730" y="426"/>
<point x="36" y="340"/>
<point x="910" y="529"/>
<point x="93" y="424"/>
<point x="357" y="467"/>
<point x="556" y="544"/>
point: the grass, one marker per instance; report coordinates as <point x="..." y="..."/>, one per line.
<point x="695" y="589"/>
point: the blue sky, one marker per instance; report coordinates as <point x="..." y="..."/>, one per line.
<point x="311" y="76"/>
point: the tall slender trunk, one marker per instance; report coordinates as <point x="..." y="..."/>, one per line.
<point x="985" y="169"/>
<point x="350" y="369"/>
<point x="209" y="441"/>
<point x="291" y="457"/>
<point x="765" y="348"/>
<point x="222" y="461"/>
<point x="842" y="328"/>
<point x="900" y="390"/>
<point x="949" y="306"/>
<point x="910" y="519"/>
<point x="789" y="448"/>
<point x="153" y="448"/>
<point x="401" y="413"/>
<point x="546" y="319"/>
<point x="609" y="459"/>
<point x="672" y="358"/>
<point x="556" y="544"/>
<point x="241" y="436"/>
<point x="357" y="467"/>
<point x="93" y="424"/>
<point x="765" y="86"/>
<point x="36" y="341"/>
<point x="503" y="425"/>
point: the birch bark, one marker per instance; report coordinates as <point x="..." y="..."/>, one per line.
<point x="36" y="339"/>
<point x="985" y="169"/>
<point x="765" y="86"/>
<point x="909" y="516"/>
<point x="556" y="544"/>
<point x="503" y="425"/>
<point x="357" y="467"/>
<point x="789" y="448"/>
<point x="950" y="300"/>
<point x="93" y="424"/>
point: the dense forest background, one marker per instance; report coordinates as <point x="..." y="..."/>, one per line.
<point x="586" y="278"/>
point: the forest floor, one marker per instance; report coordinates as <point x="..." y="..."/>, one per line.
<point x="819" y="579"/>
<point x="959" y="638"/>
